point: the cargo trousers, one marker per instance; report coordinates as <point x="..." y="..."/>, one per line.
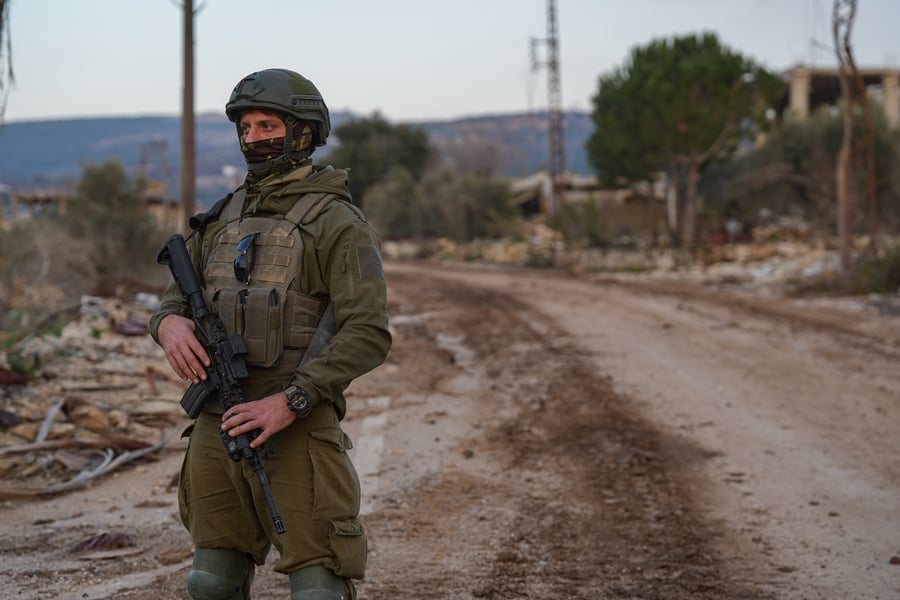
<point x="315" y="486"/>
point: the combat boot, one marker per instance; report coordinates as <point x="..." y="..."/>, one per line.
<point x="317" y="583"/>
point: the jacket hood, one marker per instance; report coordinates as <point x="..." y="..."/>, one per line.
<point x="278" y="195"/>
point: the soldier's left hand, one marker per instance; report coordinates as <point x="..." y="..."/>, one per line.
<point x="270" y="415"/>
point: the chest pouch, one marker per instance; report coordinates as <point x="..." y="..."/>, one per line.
<point x="263" y="318"/>
<point x="268" y="313"/>
<point x="257" y="315"/>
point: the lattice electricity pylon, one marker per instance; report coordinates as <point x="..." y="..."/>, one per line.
<point x="556" y="163"/>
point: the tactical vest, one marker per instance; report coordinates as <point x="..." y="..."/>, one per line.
<point x="271" y="313"/>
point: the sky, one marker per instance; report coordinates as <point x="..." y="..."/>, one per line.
<point x="409" y="60"/>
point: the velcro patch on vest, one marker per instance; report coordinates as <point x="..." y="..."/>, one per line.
<point x="369" y="261"/>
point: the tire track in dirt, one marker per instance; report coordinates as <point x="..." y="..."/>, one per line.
<point x="794" y="400"/>
<point x="562" y="491"/>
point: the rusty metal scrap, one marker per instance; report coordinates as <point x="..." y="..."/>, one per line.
<point x="105" y="541"/>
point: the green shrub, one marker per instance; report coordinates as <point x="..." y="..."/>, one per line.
<point x="878" y="274"/>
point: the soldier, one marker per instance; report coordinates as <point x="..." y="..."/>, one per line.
<point x="271" y="256"/>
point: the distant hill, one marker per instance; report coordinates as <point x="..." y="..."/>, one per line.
<point x="52" y="154"/>
<point x="520" y="140"/>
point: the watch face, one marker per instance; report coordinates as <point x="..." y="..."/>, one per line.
<point x="298" y="401"/>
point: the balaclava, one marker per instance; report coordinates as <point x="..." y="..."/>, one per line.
<point x="278" y="155"/>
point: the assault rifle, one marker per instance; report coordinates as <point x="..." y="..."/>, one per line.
<point x="228" y="365"/>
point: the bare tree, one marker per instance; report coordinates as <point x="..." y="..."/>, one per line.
<point x="6" y="66"/>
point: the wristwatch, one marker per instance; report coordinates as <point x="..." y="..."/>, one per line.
<point x="298" y="400"/>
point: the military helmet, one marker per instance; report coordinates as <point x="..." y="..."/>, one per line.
<point x="282" y="91"/>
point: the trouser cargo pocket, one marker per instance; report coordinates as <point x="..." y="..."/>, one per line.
<point x="349" y="548"/>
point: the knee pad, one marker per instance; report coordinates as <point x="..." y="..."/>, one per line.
<point x="317" y="583"/>
<point x="220" y="574"/>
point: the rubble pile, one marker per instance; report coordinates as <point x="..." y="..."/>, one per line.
<point x="80" y="401"/>
<point x="775" y="266"/>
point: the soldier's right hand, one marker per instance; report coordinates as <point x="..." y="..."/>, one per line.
<point x="183" y="350"/>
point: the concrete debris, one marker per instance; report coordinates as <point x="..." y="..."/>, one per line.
<point x="763" y="265"/>
<point x="83" y="399"/>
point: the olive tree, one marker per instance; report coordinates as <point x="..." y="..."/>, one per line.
<point x="120" y="238"/>
<point x="372" y="148"/>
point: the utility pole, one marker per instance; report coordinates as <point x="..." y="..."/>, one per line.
<point x="188" y="142"/>
<point x="556" y="164"/>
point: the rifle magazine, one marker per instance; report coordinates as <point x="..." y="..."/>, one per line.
<point x="194" y="399"/>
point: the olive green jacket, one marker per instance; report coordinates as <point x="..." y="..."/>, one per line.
<point x="341" y="260"/>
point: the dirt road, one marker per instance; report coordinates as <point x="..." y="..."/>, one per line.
<point x="538" y="435"/>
